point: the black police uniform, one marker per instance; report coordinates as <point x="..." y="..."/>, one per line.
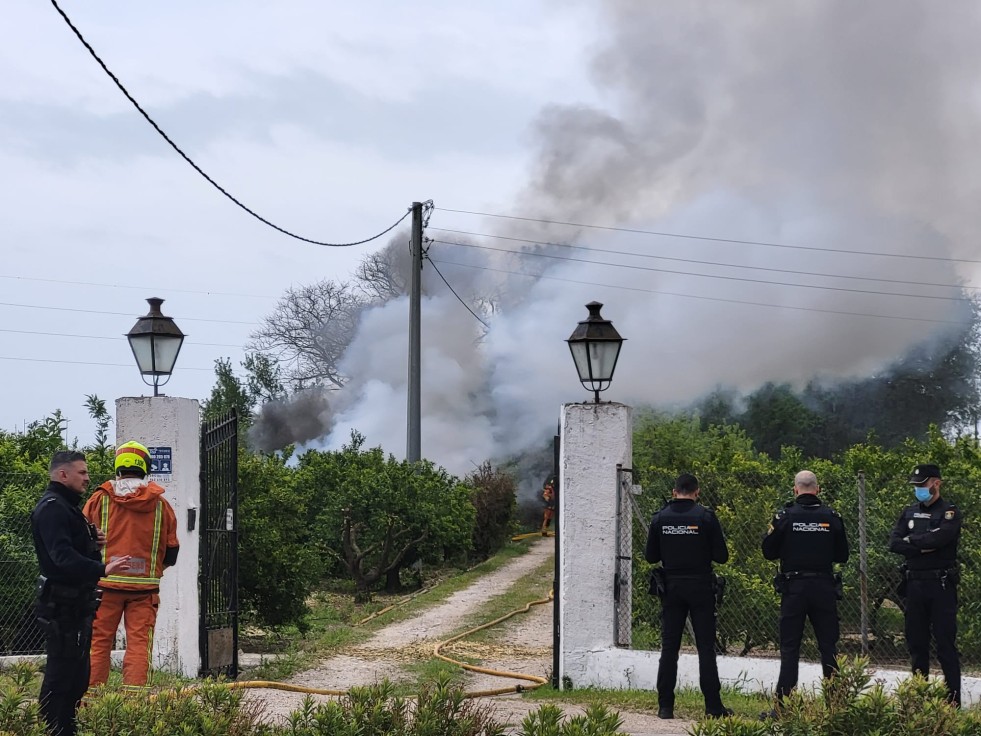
<point x="70" y="568"/>
<point x="686" y="538"/>
<point x="808" y="538"/>
<point x="931" y="585"/>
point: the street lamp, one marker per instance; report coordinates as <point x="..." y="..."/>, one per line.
<point x="595" y="346"/>
<point x="155" y="341"/>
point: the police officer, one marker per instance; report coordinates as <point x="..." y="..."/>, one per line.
<point x="686" y="538"/>
<point x="927" y="534"/>
<point x="67" y="549"/>
<point x="808" y="538"/>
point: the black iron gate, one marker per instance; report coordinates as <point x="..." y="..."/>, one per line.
<point x="219" y="546"/>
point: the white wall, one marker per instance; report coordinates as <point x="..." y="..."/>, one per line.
<point x="595" y="438"/>
<point x="167" y="421"/>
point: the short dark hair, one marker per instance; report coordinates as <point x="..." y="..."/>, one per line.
<point x="130" y="471"/>
<point x="686" y="484"/>
<point x="64" y="457"/>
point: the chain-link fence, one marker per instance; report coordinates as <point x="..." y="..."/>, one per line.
<point x="19" y="493"/>
<point x="19" y="633"/>
<point x="871" y="611"/>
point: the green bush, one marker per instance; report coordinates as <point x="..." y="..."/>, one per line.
<point x="494" y="498"/>
<point x="850" y="703"/>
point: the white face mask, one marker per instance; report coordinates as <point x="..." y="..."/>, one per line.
<point x="127" y="486"/>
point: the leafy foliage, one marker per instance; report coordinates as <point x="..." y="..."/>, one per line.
<point x="850" y="703"/>
<point x="494" y="498"/>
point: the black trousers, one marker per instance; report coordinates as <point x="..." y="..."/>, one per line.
<point x="66" y="673"/>
<point x="814" y="599"/>
<point x="686" y="597"/>
<point x="931" y="609"/>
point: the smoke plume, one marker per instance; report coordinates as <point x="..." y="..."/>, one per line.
<point x="830" y="126"/>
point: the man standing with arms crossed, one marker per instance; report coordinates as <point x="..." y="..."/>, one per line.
<point x="927" y="534"/>
<point x="808" y="538"/>
<point x="686" y="538"/>
<point x="138" y="522"/>
<point x="68" y="553"/>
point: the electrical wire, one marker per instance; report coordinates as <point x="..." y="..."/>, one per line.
<point x="705" y="275"/>
<point x="83" y="362"/>
<point x="439" y="273"/>
<point x="197" y="168"/>
<point x="706" y="263"/>
<point x="106" y="337"/>
<point x="124" y="314"/>
<point x="705" y="298"/>
<point x="685" y="236"/>
<point x="129" y="286"/>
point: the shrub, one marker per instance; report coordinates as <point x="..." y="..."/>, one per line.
<point x="494" y="497"/>
<point x="850" y="703"/>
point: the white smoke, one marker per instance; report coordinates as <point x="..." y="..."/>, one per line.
<point x="830" y="124"/>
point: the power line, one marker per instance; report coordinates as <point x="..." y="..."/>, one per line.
<point x="705" y="298"/>
<point x="84" y="362"/>
<point x="197" y="168"/>
<point x="128" y="286"/>
<point x="455" y="294"/>
<point x="705" y="275"/>
<point x="106" y="337"/>
<point x="705" y="263"/>
<point x="708" y="238"/>
<point x="124" y="314"/>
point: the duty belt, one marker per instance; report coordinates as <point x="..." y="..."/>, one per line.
<point x="929" y="574"/>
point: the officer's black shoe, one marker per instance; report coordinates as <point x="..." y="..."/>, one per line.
<point x="724" y="713"/>
<point x="768" y="715"/>
<point x="665" y="713"/>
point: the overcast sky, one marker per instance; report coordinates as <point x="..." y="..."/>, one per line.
<point x="328" y="118"/>
<point x="828" y="125"/>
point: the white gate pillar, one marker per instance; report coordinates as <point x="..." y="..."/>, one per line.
<point x="594" y="439"/>
<point x="171" y="428"/>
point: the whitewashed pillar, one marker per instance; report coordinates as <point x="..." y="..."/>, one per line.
<point x="595" y="438"/>
<point x="170" y="427"/>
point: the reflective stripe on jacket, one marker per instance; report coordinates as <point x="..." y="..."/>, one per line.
<point x="137" y="521"/>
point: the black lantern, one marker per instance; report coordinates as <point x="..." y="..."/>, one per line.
<point x="595" y="347"/>
<point x="155" y="341"/>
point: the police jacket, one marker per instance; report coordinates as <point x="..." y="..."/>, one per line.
<point x="686" y="538"/>
<point x="806" y="536"/>
<point x="928" y="535"/>
<point x="137" y="521"/>
<point x="65" y="550"/>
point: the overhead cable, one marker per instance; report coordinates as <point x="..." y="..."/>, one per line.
<point x="197" y="168"/>
<point x="123" y="314"/>
<point x="133" y="286"/>
<point x="705" y="263"/>
<point x="433" y="264"/>
<point x="705" y="275"/>
<point x="708" y="238"/>
<point x="84" y="362"/>
<point x="697" y="296"/>
<point x="107" y="337"/>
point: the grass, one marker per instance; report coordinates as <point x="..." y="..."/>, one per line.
<point x="689" y="703"/>
<point x="335" y="621"/>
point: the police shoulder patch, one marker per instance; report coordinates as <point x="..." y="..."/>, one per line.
<point x="948" y="515"/>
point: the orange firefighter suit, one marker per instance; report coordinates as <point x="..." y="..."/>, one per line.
<point x="139" y="522"/>
<point x="548" y="495"/>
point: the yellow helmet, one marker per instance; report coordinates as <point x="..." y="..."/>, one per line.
<point x="132" y="455"/>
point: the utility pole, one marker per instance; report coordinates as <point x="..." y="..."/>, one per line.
<point x="413" y="445"/>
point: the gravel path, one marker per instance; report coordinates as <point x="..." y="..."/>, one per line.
<point x="523" y="644"/>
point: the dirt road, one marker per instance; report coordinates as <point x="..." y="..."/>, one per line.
<point x="523" y="644"/>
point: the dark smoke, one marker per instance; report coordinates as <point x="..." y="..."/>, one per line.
<point x="299" y="418"/>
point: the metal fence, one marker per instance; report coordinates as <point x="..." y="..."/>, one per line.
<point x="19" y="493"/>
<point x="871" y="611"/>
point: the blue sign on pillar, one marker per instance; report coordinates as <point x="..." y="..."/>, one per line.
<point x="161" y="461"/>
